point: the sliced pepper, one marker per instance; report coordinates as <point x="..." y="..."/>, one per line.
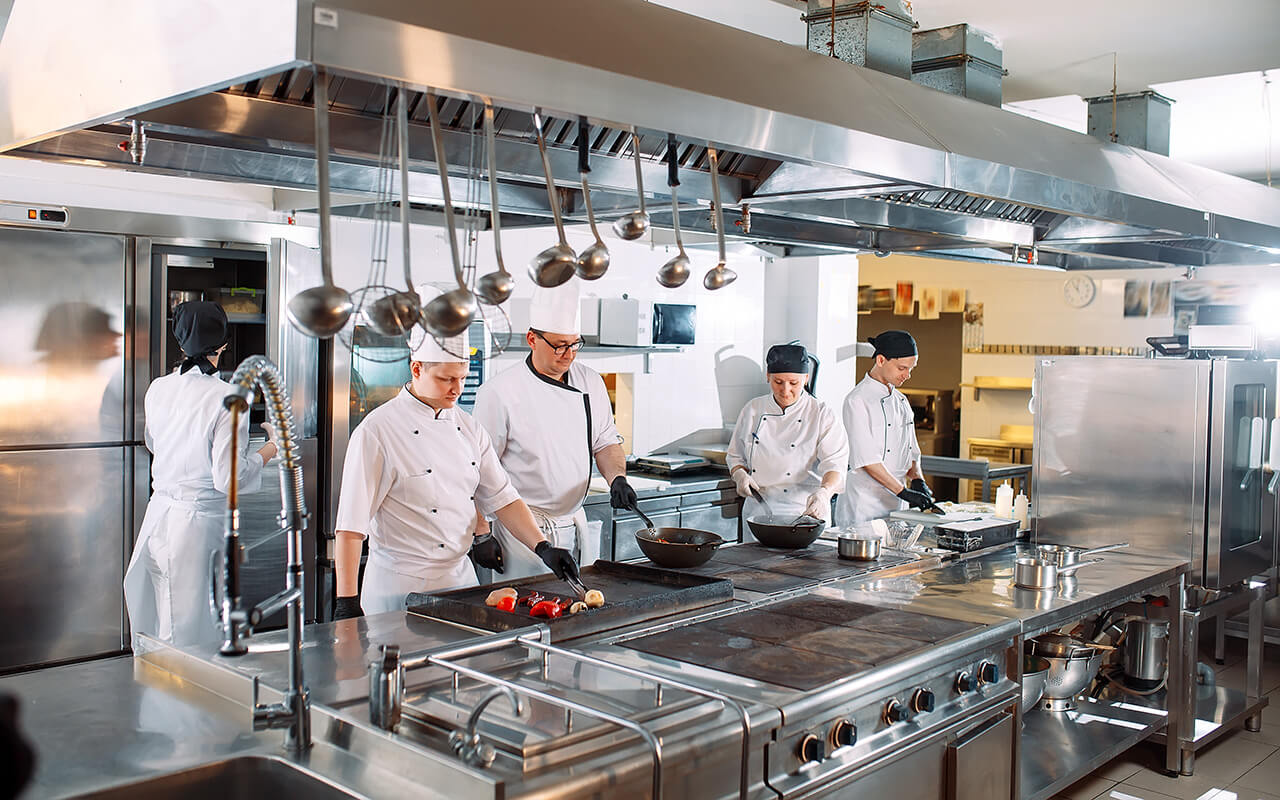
<point x="506" y="604"/>
<point x="545" y="608"/>
<point x="529" y="599"/>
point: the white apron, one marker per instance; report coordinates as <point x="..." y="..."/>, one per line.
<point x="881" y="427"/>
<point x="518" y="561"/>
<point x="787" y="451"/>
<point x="168" y="582"/>
<point x="385" y="585"/>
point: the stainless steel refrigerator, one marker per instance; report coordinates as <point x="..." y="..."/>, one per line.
<point x="69" y="443"/>
<point x="1168" y="454"/>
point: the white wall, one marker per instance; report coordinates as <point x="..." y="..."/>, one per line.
<point x="814" y="300"/>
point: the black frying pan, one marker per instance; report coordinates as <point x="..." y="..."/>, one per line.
<point x="786" y="531"/>
<point x="678" y="547"/>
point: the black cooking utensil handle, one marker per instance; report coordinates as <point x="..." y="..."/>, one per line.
<point x="584" y="149"/>
<point x="673" y="169"/>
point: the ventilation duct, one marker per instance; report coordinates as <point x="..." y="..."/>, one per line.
<point x="959" y="59"/>
<point x="1140" y="119"/>
<point x="875" y="35"/>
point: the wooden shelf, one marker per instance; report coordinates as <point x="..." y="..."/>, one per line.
<point x="998" y="383"/>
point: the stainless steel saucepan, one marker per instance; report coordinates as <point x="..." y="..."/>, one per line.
<point x="1033" y="573"/>
<point x="1064" y="555"/>
<point x="858" y="548"/>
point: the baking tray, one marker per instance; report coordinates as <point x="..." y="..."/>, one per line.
<point x="633" y="593"/>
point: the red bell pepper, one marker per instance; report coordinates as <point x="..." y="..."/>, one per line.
<point x="546" y="608"/>
<point x="506" y="604"/>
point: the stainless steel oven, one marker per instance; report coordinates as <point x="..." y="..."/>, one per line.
<point x="1169" y="454"/>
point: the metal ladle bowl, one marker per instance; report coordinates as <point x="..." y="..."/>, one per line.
<point x="675" y="272"/>
<point x="495" y="287"/>
<point x="449" y="314"/>
<point x="720" y="275"/>
<point x="396" y="313"/>
<point x="553" y="266"/>
<point x="321" y="311"/>
<point x="631" y="226"/>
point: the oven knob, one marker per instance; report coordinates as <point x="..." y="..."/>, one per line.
<point x="988" y="672"/>
<point x="922" y="701"/>
<point x="895" y="712"/>
<point x="811" y="749"/>
<point x="844" y="733"/>
<point x="966" y="683"/>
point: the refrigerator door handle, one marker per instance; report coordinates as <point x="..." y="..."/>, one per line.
<point x="1273" y="459"/>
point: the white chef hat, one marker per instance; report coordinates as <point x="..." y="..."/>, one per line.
<point x="453" y="350"/>
<point x="557" y="310"/>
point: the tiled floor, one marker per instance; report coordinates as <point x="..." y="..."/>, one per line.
<point x="1239" y="766"/>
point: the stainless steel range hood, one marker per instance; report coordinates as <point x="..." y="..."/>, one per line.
<point x="827" y="155"/>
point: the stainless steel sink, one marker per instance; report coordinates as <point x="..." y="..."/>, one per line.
<point x="247" y="777"/>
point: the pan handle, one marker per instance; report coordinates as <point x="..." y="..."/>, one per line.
<point x="635" y="506"/>
<point x="1104" y="548"/>
<point x="1078" y="565"/>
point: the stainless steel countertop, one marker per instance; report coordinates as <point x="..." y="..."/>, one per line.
<point x="119" y="720"/>
<point x="981" y="589"/>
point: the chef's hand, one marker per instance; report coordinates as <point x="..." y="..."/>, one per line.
<point x="819" y="506"/>
<point x="270" y="431"/>
<point x="269" y="450"/>
<point x="918" y="484"/>
<point x="621" y="495"/>
<point x="745" y="483"/>
<point x="915" y="499"/>
<point x="486" y="551"/>
<point x="557" y="559"/>
<point x="347" y="608"/>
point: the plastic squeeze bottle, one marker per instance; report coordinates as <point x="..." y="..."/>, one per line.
<point x="1022" y="511"/>
<point x="1004" y="501"/>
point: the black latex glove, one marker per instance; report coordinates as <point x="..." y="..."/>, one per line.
<point x="916" y="499"/>
<point x="17" y="759"/>
<point x="557" y="559"/>
<point x="486" y="551"/>
<point x="918" y="484"/>
<point x="347" y="608"/>
<point x="621" y="495"/>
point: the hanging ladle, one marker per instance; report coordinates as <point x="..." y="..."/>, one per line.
<point x="494" y="287"/>
<point x="322" y="311"/>
<point x="720" y="275"/>
<point x="450" y="313"/>
<point x="557" y="263"/>
<point x="676" y="271"/>
<point x="396" y="314"/>
<point x="594" y="261"/>
<point x="634" y="225"/>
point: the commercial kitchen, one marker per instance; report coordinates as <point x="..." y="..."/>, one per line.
<point x="1081" y="573"/>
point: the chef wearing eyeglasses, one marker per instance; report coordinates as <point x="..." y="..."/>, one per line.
<point x="549" y="418"/>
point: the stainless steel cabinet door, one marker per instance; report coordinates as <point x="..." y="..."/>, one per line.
<point x="719" y="519"/>
<point x="62" y="320"/>
<point x="624" y="531"/>
<point x="61" y="554"/>
<point x="1240" y="534"/>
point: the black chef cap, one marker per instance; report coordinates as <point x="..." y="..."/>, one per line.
<point x="786" y="358"/>
<point x="200" y="328"/>
<point x="894" y="344"/>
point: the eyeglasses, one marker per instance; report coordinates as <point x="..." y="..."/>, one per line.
<point x="561" y="349"/>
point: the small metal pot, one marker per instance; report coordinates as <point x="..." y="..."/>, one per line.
<point x="1064" y="555"/>
<point x="859" y="548"/>
<point x="1032" y="573"/>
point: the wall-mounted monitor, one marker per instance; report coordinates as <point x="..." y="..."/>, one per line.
<point x="674" y="323"/>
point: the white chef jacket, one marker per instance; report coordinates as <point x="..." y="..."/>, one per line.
<point x="411" y="482"/>
<point x="546" y="433"/>
<point x="787" y="451"/>
<point x="188" y="432"/>
<point x="882" y="430"/>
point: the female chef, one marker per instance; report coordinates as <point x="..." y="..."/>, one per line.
<point x="787" y="445"/>
<point x="883" y="453"/>
<point x="188" y="432"/>
<point x="416" y="470"/>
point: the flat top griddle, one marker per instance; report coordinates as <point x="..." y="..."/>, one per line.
<point x="802" y="643"/>
<point x="633" y="593"/>
<point x="756" y="568"/>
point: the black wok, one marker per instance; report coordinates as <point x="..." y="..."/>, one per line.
<point x="785" y="531"/>
<point x="678" y="547"/>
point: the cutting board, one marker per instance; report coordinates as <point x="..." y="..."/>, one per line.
<point x="598" y="483"/>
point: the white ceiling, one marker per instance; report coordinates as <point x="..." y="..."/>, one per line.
<point x="1210" y="58"/>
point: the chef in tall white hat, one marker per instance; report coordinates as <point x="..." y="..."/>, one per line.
<point x="416" y="470"/>
<point x="549" y="419"/>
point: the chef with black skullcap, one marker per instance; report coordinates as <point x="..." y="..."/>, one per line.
<point x="788" y="445"/>
<point x="188" y="432"/>
<point x="884" y="457"/>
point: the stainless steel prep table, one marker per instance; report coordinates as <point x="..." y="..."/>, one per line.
<point x="981" y="589"/>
